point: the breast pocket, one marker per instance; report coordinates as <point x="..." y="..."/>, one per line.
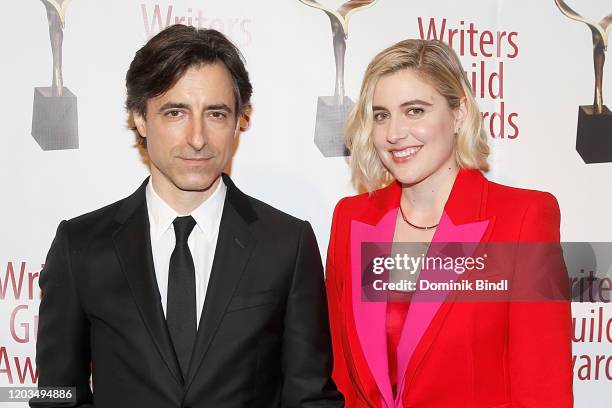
<point x="249" y="300"/>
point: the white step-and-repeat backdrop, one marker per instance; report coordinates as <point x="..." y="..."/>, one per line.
<point x="530" y="65"/>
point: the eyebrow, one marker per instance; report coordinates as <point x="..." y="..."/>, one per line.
<point x="179" y="105"/>
<point x="407" y="103"/>
<point x="173" y="105"/>
<point x="219" y="106"/>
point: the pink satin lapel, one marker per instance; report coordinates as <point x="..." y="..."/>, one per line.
<point x="370" y="317"/>
<point x="423" y="309"/>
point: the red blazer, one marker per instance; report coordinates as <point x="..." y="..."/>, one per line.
<point x="451" y="354"/>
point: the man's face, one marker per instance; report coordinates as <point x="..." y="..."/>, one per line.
<point x="190" y="130"/>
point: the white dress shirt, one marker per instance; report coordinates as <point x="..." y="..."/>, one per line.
<point x="202" y="241"/>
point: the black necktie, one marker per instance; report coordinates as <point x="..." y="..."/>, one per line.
<point x="181" y="308"/>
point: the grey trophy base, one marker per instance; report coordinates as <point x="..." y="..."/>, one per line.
<point x="594" y="135"/>
<point x="54" y="120"/>
<point x="329" y="127"/>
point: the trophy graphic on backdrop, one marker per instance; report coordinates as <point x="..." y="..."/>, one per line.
<point x="594" y="135"/>
<point x="54" y="118"/>
<point x="332" y="110"/>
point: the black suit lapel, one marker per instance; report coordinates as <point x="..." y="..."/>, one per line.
<point x="234" y="246"/>
<point x="133" y="247"/>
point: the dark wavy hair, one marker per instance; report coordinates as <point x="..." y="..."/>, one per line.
<point x="163" y="60"/>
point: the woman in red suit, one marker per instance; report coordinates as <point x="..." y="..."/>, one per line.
<point x="416" y="129"/>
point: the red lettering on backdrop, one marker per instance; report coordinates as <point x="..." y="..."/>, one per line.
<point x="15" y="282"/>
<point x="486" y="80"/>
<point x="157" y="18"/>
<point x="24" y="368"/>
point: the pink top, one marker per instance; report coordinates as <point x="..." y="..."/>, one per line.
<point x="397" y="309"/>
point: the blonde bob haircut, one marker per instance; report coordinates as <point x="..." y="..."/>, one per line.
<point x="437" y="64"/>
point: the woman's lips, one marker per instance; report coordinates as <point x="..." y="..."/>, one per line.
<point x="404" y="154"/>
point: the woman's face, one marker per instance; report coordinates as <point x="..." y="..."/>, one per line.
<point x="414" y="127"/>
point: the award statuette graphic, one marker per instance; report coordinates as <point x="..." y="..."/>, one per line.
<point x="332" y="110"/>
<point x="54" y="119"/>
<point x="594" y="135"/>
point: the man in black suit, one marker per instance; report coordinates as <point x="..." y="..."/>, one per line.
<point x="188" y="293"/>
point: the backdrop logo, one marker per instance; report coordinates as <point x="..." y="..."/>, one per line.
<point x="594" y="134"/>
<point x="19" y="300"/>
<point x="54" y="118"/>
<point x="490" y="51"/>
<point x="157" y="18"/>
<point x="332" y="110"/>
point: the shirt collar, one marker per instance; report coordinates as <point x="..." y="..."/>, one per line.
<point x="207" y="215"/>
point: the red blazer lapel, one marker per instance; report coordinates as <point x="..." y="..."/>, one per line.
<point x="369" y="316"/>
<point x="463" y="220"/>
<point x="375" y="224"/>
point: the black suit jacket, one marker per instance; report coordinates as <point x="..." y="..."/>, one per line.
<point x="263" y="338"/>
